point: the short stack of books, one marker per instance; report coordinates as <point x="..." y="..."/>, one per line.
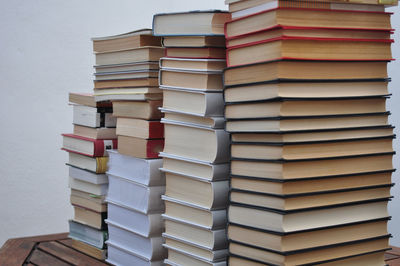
<point x="127" y="66"/>
<point x="305" y="91"/>
<point x="196" y="152"/>
<point x="93" y="135"/>
<point x="135" y="182"/>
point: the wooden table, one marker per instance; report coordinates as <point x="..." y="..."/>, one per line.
<point x="56" y="250"/>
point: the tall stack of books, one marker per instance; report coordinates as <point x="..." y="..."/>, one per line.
<point x="196" y="152"/>
<point x="135" y="182"/>
<point x="94" y="133"/>
<point x="305" y="91"/>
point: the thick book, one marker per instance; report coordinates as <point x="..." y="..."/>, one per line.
<point x="194" y="103"/>
<point x="298" y="242"/>
<point x="143" y="171"/>
<point x="136" y="196"/>
<point x="117" y="255"/>
<point x="93" y="117"/>
<point x="178" y="117"/>
<point x="296" y="70"/>
<point x="88" y="200"/>
<point x="193" y="41"/>
<point x="124" y="83"/>
<point x="139" y="128"/>
<point x="87" y="176"/>
<point x="194" y="64"/>
<point x="139" y="54"/>
<point x="86" y="99"/>
<point x="96" y="165"/>
<point x="305" y="90"/>
<point x="125" y="41"/>
<point x="149" y="248"/>
<point x="122" y="75"/>
<point x="128" y="97"/>
<point x="336" y="19"/>
<point x="95" y="189"/>
<point x="90" y="217"/>
<point x="146" y="225"/>
<point x="194" y="168"/>
<point x="100" y="254"/>
<point x="140" y="148"/>
<point x="280" y="31"/>
<point x="128" y="67"/>
<point x="307" y="219"/>
<point x="191" y="23"/>
<point x="177" y="258"/>
<point x="95" y="133"/>
<point x="87" y="234"/>
<point x="191" y="79"/>
<point x="88" y="146"/>
<point x="200" y="53"/>
<point x="147" y="110"/>
<point x="197" y="143"/>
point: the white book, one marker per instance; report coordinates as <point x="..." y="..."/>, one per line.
<point x="176" y="258"/>
<point x="87" y="234"/>
<point x="197" y="235"/>
<point x="193" y="102"/>
<point x="143" y="171"/>
<point x="134" y="195"/>
<point x="91" y="117"/>
<point x="145" y="225"/>
<point x="194" y="168"/>
<point x="87" y="176"/>
<point x="120" y="256"/>
<point x="147" y="248"/>
<point x="96" y="189"/>
<point x="178" y="117"/>
<point x="197" y="143"/>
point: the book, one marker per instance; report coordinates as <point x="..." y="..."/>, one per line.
<point x="193" y="41"/>
<point x="92" y="116"/>
<point x="198" y="143"/>
<point x="146" y="91"/>
<point x="100" y="254"/>
<point x="88" y="146"/>
<point x="89" y="217"/>
<point x="140" y="148"/>
<point x="147" y="110"/>
<point x="96" y="189"/>
<point x="87" y="176"/>
<point x="312" y="150"/>
<point x="190" y="23"/>
<point x="198" y="236"/>
<point x="309" y="49"/>
<point x="275" y="169"/>
<point x="88" y="200"/>
<point x="139" y="54"/>
<point x="129" y="97"/>
<point x="149" y="248"/>
<point x="87" y="234"/>
<point x="124" y="83"/>
<point x="287" y="124"/>
<point x="305" y="90"/>
<point x="306" y="219"/>
<point x="293" y="187"/>
<point x="176" y="258"/>
<point x="122" y="75"/>
<point x="201" y="193"/>
<point x="96" y="165"/>
<point x="139" y="128"/>
<point x="193" y="64"/>
<point x="133" y="66"/>
<point x="95" y="133"/>
<point x="143" y="171"/>
<point x="86" y="99"/>
<point x="304" y="108"/>
<point x="281" y="31"/>
<point x="146" y="225"/>
<point x="293" y="70"/>
<point x="312" y="256"/>
<point x="201" y="53"/>
<point x="125" y="41"/>
<point x="193" y="103"/>
<point x="136" y="196"/>
<point x="117" y="255"/>
<point x="191" y="80"/>
<point x="195" y="214"/>
<point x="194" y="168"/>
<point x="336" y="19"/>
<point x="173" y="116"/>
<point x="309" y="200"/>
<point x="297" y="242"/>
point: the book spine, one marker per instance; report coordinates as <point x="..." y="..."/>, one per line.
<point x="153" y="148"/>
<point x="101" y="165"/>
<point x="101" y="147"/>
<point x="156" y="130"/>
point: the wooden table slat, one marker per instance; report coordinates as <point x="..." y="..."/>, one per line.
<point x="66" y="242"/>
<point x="15" y="251"/>
<point x="41" y="258"/>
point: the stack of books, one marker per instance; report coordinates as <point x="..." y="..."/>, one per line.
<point x="305" y="91"/>
<point x="127" y="66"/>
<point x="196" y="152"/>
<point x="93" y="135"/>
<point x="135" y="182"/>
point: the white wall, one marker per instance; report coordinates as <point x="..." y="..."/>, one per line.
<point x="45" y="52"/>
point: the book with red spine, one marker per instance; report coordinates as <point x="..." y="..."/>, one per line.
<point x="140" y="148"/>
<point x="139" y="128"/>
<point x="87" y="146"/>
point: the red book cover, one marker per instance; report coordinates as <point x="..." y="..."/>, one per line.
<point x="87" y="146"/>
<point x="156" y="130"/>
<point x="154" y="147"/>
